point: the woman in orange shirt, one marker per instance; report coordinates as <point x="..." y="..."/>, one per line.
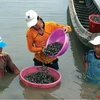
<point x="37" y="35"/>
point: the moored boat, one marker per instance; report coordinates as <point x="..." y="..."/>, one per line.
<point x="80" y="10"/>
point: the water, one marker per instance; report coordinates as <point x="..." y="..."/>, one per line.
<point x="13" y="29"/>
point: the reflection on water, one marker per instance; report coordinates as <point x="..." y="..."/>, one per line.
<point x="12" y="30"/>
<point x="6" y="81"/>
<point x="78" y="49"/>
<point x="88" y="90"/>
<point x="33" y="93"/>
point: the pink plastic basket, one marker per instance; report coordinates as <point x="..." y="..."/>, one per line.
<point x="29" y="70"/>
<point x="59" y="36"/>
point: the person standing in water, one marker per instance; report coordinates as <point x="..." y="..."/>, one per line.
<point x="37" y="35"/>
<point x="6" y="63"/>
<point x="92" y="62"/>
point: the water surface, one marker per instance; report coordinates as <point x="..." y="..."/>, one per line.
<point x="13" y="29"/>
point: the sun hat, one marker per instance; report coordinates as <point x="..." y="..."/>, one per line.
<point x="95" y="41"/>
<point x="2" y="44"/>
<point x="31" y="18"/>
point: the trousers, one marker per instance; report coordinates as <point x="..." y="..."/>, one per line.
<point x="53" y="64"/>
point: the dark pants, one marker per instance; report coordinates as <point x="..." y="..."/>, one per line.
<point x="54" y="64"/>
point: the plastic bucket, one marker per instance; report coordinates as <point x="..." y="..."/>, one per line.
<point x="94" y="24"/>
<point x="59" y="36"/>
<point x="32" y="69"/>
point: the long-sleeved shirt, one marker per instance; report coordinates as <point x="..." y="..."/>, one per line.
<point x="7" y="65"/>
<point x="35" y="42"/>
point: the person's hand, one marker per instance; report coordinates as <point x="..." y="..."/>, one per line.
<point x="65" y="29"/>
<point x="43" y="49"/>
<point x="3" y="54"/>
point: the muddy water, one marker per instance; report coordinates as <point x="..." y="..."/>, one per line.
<point x="12" y="30"/>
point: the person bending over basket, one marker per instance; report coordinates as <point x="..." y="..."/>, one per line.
<point x="92" y="62"/>
<point x="6" y="63"/>
<point x="37" y="35"/>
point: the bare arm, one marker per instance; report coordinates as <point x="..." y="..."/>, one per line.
<point x="85" y="64"/>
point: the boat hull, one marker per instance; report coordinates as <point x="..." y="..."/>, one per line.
<point x="81" y="32"/>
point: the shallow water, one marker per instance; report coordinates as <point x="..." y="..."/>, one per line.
<point x="12" y="30"/>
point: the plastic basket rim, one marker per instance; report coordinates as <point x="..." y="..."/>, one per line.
<point x="37" y="83"/>
<point x="93" y="21"/>
<point x="65" y="36"/>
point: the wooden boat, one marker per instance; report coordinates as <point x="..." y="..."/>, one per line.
<point x="80" y="10"/>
